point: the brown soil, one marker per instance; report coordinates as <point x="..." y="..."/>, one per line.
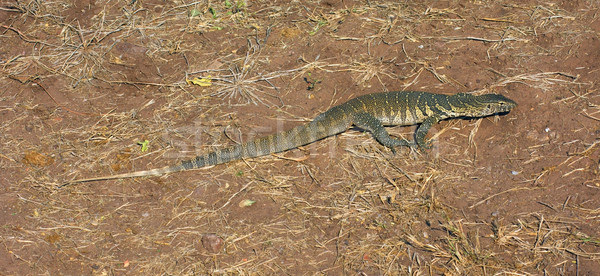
<point x="83" y="82"/>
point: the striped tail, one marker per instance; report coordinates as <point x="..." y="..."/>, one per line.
<point x="274" y="143"/>
<point x="320" y="128"/>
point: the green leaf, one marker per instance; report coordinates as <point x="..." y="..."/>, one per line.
<point x="144" y="145"/>
<point x="194" y="13"/>
<point x="213" y="12"/>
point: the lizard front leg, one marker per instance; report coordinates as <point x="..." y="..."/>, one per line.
<point x="422" y="130"/>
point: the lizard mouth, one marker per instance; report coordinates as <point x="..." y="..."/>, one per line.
<point x="501" y="108"/>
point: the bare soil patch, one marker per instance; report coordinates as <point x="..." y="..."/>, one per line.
<point x="85" y="83"/>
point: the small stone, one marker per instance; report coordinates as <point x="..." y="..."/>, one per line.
<point x="212" y="243"/>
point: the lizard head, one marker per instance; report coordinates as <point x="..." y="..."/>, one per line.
<point x="484" y="105"/>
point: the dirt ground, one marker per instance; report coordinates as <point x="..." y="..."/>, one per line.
<point x="91" y="88"/>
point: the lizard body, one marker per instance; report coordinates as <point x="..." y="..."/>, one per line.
<point x="370" y="112"/>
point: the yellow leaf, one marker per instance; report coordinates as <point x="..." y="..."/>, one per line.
<point x="117" y="60"/>
<point x="247" y="202"/>
<point x="204" y="82"/>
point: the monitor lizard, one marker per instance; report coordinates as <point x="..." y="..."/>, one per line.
<point x="370" y="112"/>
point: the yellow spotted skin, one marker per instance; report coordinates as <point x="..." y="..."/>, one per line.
<point x="370" y="112"/>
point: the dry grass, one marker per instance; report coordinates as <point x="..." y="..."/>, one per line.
<point x="90" y="86"/>
<point x="236" y="81"/>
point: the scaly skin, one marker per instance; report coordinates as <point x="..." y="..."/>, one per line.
<point x="370" y="112"/>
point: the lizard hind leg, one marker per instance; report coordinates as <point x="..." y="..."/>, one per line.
<point x="369" y="122"/>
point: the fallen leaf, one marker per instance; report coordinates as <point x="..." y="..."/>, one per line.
<point x="247" y="202"/>
<point x="37" y="159"/>
<point x="204" y="82"/>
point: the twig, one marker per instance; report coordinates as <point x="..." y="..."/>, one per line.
<point x="63" y="106"/>
<point x="27" y="39"/>
<point x="482" y="39"/>
<point x="234" y="195"/>
<point x="500" y="193"/>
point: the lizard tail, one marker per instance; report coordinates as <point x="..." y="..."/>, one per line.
<point x="153" y="172"/>
<point x="274" y="143"/>
<point x="262" y="146"/>
<point x="320" y="128"/>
